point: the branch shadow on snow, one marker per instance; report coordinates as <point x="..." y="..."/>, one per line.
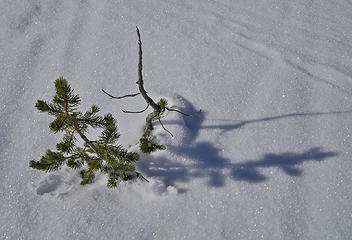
<point x="209" y="164"/>
<point x="206" y="160"/>
<point x="288" y="162"/>
<point x="240" y="124"/>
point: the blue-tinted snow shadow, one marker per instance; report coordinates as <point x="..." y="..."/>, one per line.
<point x="208" y="161"/>
<point x="288" y="162"/>
<point x="237" y="124"/>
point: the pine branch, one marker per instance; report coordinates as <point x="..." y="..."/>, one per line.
<point x="64" y="94"/>
<point x="50" y="162"/>
<point x="67" y="144"/>
<point x="91" y="118"/>
<point x="84" y="138"/>
<point x="109" y="134"/>
<point x="58" y="125"/>
<point x="88" y="176"/>
<point x="101" y="154"/>
<point x="48" y="107"/>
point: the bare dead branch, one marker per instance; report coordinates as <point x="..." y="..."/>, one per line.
<point x="149" y="120"/>
<point x="139" y="175"/>
<point x="149" y="101"/>
<point x="136" y="111"/>
<point x="164" y="127"/>
<point x="189" y="115"/>
<point x="128" y="95"/>
<point x="140" y="77"/>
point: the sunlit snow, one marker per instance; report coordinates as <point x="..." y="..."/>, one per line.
<point x="269" y="157"/>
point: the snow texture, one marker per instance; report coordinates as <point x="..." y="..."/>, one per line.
<point x="268" y="158"/>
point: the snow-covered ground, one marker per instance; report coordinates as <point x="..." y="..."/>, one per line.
<point x="269" y="158"/>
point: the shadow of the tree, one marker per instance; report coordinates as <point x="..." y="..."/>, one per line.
<point x="289" y="162"/>
<point x="237" y="124"/>
<point x="196" y="124"/>
<point x="206" y="161"/>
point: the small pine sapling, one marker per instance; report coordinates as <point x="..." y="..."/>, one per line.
<point x="103" y="154"/>
<point x="147" y="142"/>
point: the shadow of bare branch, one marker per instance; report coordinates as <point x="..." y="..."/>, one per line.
<point x="207" y="161"/>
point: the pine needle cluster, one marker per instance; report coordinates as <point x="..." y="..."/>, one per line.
<point x="147" y="143"/>
<point x="104" y="154"/>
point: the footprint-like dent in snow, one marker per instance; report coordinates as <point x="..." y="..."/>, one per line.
<point x="50" y="184"/>
<point x="58" y="184"/>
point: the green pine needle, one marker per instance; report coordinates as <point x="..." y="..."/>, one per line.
<point x="74" y="163"/>
<point x="52" y="161"/>
<point x="147" y="145"/>
<point x="87" y="177"/>
<point x="57" y="125"/>
<point x="102" y="155"/>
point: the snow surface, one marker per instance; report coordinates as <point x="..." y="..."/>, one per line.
<point x="269" y="157"/>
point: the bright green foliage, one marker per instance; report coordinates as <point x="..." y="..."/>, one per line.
<point x="147" y="143"/>
<point x="50" y="162"/>
<point x="103" y="155"/>
<point x="87" y="176"/>
<point x="162" y="104"/>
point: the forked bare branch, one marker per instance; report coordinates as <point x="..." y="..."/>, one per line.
<point x="136" y="111"/>
<point x="147" y="143"/>
<point x="128" y="95"/>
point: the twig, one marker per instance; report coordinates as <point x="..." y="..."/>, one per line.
<point x="139" y="175"/>
<point x="136" y="111"/>
<point x="164" y="127"/>
<point x="189" y="115"/>
<point x="90" y="143"/>
<point x="128" y="95"/>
